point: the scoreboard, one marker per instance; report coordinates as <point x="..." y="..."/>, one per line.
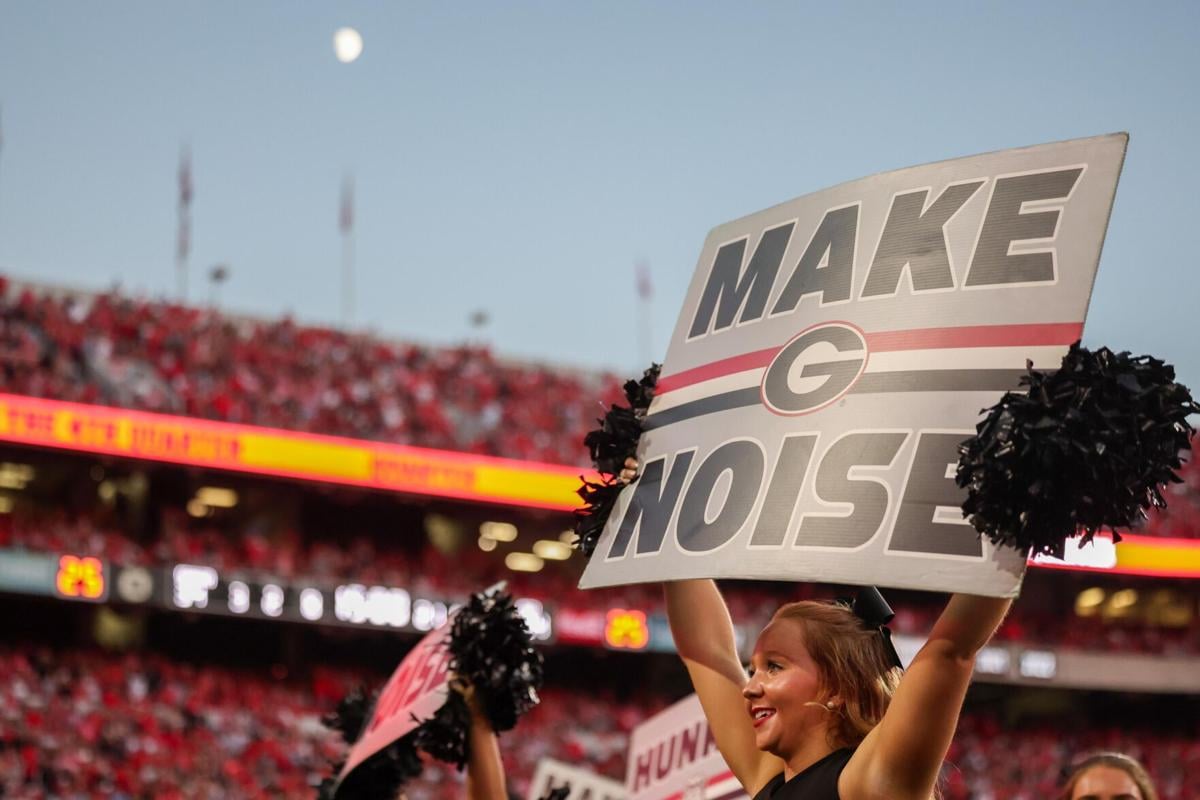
<point x="196" y="588"/>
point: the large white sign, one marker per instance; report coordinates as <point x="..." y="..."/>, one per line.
<point x="673" y="756"/>
<point x="832" y="353"/>
<point x="584" y="785"/>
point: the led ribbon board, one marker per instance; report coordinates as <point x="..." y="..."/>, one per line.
<point x="267" y="451"/>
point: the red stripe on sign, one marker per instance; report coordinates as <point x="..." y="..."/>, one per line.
<point x="717" y="369"/>
<point x="714" y="780"/>
<point x="730" y="795"/>
<point x="1034" y="335"/>
<point x="1054" y="333"/>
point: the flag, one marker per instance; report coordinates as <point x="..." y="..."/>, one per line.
<point x="185" y="179"/>
<point x="346" y="213"/>
<point x="644" y="288"/>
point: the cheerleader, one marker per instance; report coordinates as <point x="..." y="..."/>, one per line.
<point x="1108" y="776"/>
<point x="824" y="711"/>
<point x="497" y="674"/>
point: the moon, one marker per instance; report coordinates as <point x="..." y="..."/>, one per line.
<point x="347" y="45"/>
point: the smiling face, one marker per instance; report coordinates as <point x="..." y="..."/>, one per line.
<point x="784" y="693"/>
<point x="1103" y="782"/>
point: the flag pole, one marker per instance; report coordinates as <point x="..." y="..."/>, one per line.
<point x="346" y="226"/>
<point x="183" y="243"/>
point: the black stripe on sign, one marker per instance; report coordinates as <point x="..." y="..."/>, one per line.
<point x="738" y="398"/>
<point x="939" y="380"/>
<point x="930" y="380"/>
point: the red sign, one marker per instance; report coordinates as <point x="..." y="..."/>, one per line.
<point x="80" y="578"/>
<point x="626" y="630"/>
<point x="416" y="690"/>
<point x="580" y="626"/>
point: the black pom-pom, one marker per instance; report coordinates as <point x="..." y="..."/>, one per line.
<point x="492" y="649"/>
<point x="328" y="788"/>
<point x="444" y="735"/>
<point x="609" y="445"/>
<point x="598" y="497"/>
<point x="1087" y="447"/>
<point x="617" y="437"/>
<point x="381" y="775"/>
<point x="347" y="719"/>
<point x="351" y="714"/>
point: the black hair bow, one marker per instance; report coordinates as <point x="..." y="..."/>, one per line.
<point x="870" y="607"/>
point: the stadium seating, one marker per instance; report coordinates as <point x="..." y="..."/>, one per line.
<point x="158" y="356"/>
<point x="993" y="761"/>
<point x="89" y="725"/>
<point x="76" y="723"/>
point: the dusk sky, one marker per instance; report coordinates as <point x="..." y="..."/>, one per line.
<point x="522" y="157"/>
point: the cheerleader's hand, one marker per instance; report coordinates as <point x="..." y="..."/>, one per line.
<point x="464" y="688"/>
<point x="630" y="472"/>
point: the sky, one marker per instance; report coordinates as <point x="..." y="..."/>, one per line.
<point x="522" y="157"/>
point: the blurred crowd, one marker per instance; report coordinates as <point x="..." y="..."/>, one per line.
<point x="990" y="760"/>
<point x="425" y="572"/>
<point x="88" y="725"/>
<point x="158" y="356"/>
<point x="154" y="355"/>
<point x="1181" y="518"/>
<point x="85" y="724"/>
<point x="81" y="724"/>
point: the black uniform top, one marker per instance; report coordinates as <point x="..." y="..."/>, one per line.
<point x="818" y="782"/>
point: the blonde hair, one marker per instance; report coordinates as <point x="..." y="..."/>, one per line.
<point x="1127" y="764"/>
<point x="852" y="664"/>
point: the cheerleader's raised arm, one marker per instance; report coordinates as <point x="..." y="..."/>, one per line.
<point x="823" y="702"/>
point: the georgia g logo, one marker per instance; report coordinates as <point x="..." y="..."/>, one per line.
<point x="815" y="368"/>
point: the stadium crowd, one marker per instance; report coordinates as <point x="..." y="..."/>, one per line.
<point x="157" y="356"/>
<point x="990" y="760"/>
<point x="87" y="724"/>
<point x="160" y="356"/>
<point x="152" y="355"/>
<point x="79" y="724"/>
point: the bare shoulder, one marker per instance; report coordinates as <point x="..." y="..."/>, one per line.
<point x="855" y="781"/>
